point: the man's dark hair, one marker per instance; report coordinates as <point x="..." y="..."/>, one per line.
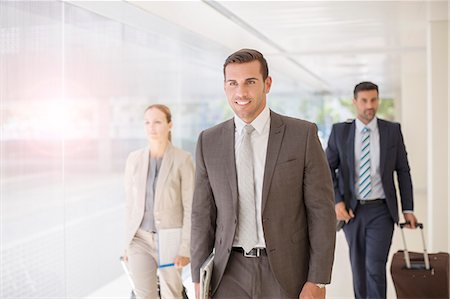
<point x="248" y="55"/>
<point x="366" y="85"/>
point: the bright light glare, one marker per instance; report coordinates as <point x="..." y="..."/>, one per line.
<point x="54" y="116"/>
<point x="49" y="119"/>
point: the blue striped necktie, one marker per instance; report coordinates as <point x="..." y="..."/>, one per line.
<point x="364" y="180"/>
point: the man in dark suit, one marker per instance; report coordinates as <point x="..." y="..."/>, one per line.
<point x="363" y="155"/>
<point x="282" y="246"/>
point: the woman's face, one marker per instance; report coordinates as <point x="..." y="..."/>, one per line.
<point x="156" y="125"/>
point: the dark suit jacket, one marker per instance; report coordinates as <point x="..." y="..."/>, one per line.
<point x="297" y="203"/>
<point x="393" y="157"/>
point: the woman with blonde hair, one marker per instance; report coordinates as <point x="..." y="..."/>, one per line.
<point x="159" y="182"/>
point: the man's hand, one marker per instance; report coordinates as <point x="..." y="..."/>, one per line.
<point x="197" y="290"/>
<point x="341" y="212"/>
<point x="409" y="217"/>
<point x="311" y="291"/>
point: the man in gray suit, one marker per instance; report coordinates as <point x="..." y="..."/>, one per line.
<point x="263" y="196"/>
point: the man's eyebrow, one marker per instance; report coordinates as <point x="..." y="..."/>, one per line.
<point x="247" y="79"/>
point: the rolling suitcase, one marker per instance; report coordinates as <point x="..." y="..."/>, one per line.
<point x="420" y="275"/>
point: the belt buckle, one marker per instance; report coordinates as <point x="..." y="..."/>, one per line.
<point x="251" y="254"/>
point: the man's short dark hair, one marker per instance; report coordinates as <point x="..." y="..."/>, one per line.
<point x="248" y="55"/>
<point x="364" y="86"/>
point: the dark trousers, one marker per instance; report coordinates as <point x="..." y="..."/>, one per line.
<point x="247" y="277"/>
<point x="369" y="237"/>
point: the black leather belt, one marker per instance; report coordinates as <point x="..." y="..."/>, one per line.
<point x="255" y="252"/>
<point x="371" y="201"/>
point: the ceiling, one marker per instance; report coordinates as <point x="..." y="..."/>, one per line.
<point x="326" y="46"/>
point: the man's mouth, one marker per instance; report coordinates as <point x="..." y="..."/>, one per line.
<point x="242" y="102"/>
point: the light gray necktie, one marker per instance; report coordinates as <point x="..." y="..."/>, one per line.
<point x="246" y="186"/>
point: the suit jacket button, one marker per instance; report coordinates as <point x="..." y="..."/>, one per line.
<point x="229" y="250"/>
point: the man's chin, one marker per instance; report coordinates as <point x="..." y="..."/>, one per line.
<point x="241" y="111"/>
<point x="369" y="117"/>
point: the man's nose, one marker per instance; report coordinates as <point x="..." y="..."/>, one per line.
<point x="241" y="90"/>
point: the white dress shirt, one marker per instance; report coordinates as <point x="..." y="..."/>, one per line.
<point x="377" y="186"/>
<point x="259" y="139"/>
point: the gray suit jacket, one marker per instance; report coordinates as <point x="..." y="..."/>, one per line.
<point x="297" y="203"/>
<point x="393" y="158"/>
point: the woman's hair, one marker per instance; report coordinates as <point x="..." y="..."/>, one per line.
<point x="164" y="109"/>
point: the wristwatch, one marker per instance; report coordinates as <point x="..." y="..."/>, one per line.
<point x="320" y="285"/>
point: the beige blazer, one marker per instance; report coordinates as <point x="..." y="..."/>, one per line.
<point x="297" y="203"/>
<point x="173" y="193"/>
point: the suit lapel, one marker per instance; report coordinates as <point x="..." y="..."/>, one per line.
<point x="228" y="144"/>
<point x="384" y="135"/>
<point x="276" y="133"/>
<point x="166" y="166"/>
<point x="350" y="151"/>
<point x="141" y="176"/>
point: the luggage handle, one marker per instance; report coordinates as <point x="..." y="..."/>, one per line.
<point x="406" y="253"/>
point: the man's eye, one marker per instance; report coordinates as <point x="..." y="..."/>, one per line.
<point x="251" y="82"/>
<point x="232" y="84"/>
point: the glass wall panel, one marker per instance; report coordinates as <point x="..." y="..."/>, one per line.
<point x="32" y="150"/>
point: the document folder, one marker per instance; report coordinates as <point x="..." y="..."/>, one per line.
<point x="169" y="241"/>
<point x="205" y="276"/>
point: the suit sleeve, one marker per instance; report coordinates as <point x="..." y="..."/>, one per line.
<point x="203" y="215"/>
<point x="318" y="195"/>
<point x="187" y="190"/>
<point x="333" y="161"/>
<point x="403" y="174"/>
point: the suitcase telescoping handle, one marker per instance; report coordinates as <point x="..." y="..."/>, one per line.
<point x="425" y="253"/>
<point x="127" y="272"/>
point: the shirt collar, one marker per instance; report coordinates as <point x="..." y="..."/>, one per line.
<point x="259" y="123"/>
<point x="372" y="125"/>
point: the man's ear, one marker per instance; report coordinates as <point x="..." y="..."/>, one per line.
<point x="268" y="83"/>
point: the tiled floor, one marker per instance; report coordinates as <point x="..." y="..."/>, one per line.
<point x="120" y="288"/>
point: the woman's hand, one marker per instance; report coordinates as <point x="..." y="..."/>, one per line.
<point x="181" y="261"/>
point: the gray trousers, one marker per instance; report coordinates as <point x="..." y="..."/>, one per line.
<point x="247" y="277"/>
<point x="143" y="267"/>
